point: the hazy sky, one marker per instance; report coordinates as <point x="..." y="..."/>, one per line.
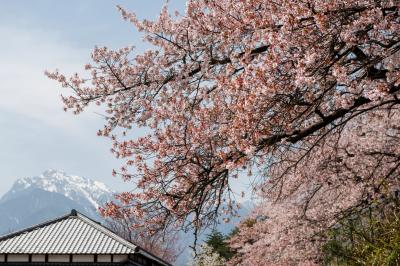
<point x="36" y="133"/>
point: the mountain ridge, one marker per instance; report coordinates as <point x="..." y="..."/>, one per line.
<point x="54" y="193"/>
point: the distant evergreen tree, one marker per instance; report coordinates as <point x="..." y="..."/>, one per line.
<point x="218" y="242"/>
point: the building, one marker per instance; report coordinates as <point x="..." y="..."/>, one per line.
<point x="73" y="239"/>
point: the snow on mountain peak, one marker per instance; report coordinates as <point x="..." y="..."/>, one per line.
<point x="73" y="187"/>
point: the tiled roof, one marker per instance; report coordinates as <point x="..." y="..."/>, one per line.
<point x="70" y="234"/>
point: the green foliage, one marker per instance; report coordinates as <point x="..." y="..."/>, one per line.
<point x="369" y="237"/>
<point x="218" y="242"/>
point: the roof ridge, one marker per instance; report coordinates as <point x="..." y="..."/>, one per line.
<point x="106" y="231"/>
<point x="74" y="214"/>
<point x="34" y="227"/>
<point x="117" y="237"/>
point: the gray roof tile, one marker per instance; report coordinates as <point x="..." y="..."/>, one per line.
<point x="70" y="234"/>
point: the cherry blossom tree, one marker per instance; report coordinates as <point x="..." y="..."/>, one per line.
<point x="207" y="257"/>
<point x="164" y="244"/>
<point x="232" y="86"/>
<point x="343" y="176"/>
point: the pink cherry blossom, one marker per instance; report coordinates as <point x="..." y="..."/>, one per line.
<point x="305" y="92"/>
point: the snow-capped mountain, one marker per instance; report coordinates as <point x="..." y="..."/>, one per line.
<point x="35" y="199"/>
<point x="73" y="187"/>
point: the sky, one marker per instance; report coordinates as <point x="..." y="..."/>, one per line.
<point x="36" y="134"/>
